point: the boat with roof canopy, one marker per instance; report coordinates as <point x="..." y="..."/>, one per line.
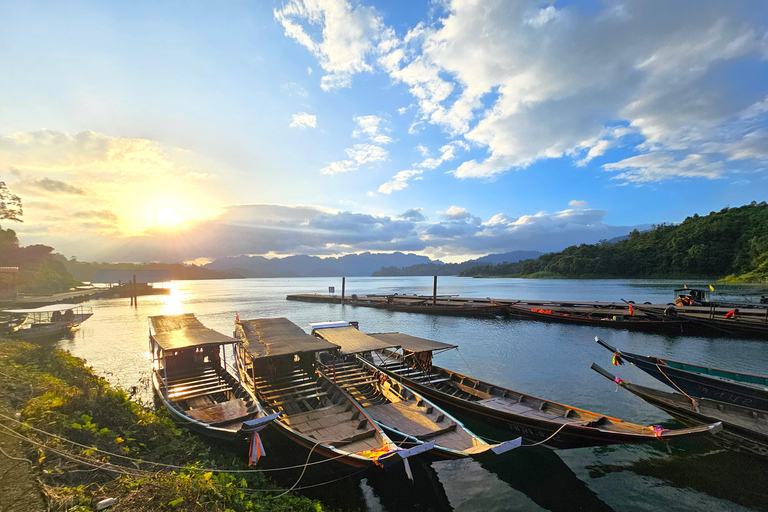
<point x="405" y="414"/>
<point x="45" y="321"/>
<point x="313" y="411"/>
<point x="537" y="420"/>
<point x="195" y="373"/>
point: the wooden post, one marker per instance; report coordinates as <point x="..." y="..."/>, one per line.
<point x="343" y="284"/>
<point x="134" y="293"/>
<point x="434" y="292"/>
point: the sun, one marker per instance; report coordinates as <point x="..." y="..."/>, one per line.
<point x="168" y="215"/>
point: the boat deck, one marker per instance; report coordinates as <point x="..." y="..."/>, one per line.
<point x="399" y="409"/>
<point x="310" y="408"/>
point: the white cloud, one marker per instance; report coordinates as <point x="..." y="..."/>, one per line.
<point x="295" y="89"/>
<point x="654" y="167"/>
<point x="577" y="203"/>
<point x="399" y="181"/>
<point x="369" y="128"/>
<point x="304" y="120"/>
<point x="348" y="35"/>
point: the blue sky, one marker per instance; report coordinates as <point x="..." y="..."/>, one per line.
<point x="448" y="128"/>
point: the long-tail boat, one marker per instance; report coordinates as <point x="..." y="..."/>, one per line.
<point x="196" y="383"/>
<point x="43" y="322"/>
<point x="313" y="411"/>
<point x="403" y="413"/>
<point x="535" y="419"/>
<point x="743" y="427"/>
<point x="699" y="381"/>
<point x="599" y="317"/>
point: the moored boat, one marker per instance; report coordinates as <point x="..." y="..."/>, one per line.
<point x="402" y="412"/>
<point x="45" y="321"/>
<point x="743" y="427"/>
<point x="192" y="378"/>
<point x="699" y="381"/>
<point x="535" y="419"/>
<point x="600" y="317"/>
<point x="313" y="411"/>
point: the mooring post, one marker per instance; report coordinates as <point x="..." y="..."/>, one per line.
<point x="343" y="284"/>
<point x="135" y="293"/>
<point x="434" y="292"/>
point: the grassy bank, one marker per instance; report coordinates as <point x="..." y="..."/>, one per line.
<point x="70" y="440"/>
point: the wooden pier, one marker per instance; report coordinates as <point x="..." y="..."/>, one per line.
<point x="660" y="318"/>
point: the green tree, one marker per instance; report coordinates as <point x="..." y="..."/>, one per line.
<point x="10" y="204"/>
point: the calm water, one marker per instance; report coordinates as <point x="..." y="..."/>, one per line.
<point x="548" y="360"/>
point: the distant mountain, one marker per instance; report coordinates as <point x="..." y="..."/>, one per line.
<point x="438" y="268"/>
<point x="363" y="264"/>
<point x="507" y="257"/>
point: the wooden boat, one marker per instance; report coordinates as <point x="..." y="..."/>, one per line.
<point x="190" y="375"/>
<point x="425" y="306"/>
<point x="598" y="317"/>
<point x="535" y="419"/>
<point x="743" y="427"/>
<point x="401" y="412"/>
<point x="701" y="382"/>
<point x="45" y="321"/>
<point x="313" y="411"/>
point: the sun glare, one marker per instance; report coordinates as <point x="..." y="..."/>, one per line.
<point x="168" y="215"/>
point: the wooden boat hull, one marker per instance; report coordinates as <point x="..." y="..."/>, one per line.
<point x="47" y="330"/>
<point x="632" y="323"/>
<point x="698" y="385"/>
<point x="457" y="310"/>
<point x="231" y="432"/>
<point x="405" y="415"/>
<point x="558" y="426"/>
<point x="744" y="427"/>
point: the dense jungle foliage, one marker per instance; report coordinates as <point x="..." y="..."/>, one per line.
<point x="40" y="272"/>
<point x="730" y="244"/>
<point x="82" y="440"/>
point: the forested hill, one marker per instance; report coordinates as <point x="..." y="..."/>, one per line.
<point x="732" y="242"/>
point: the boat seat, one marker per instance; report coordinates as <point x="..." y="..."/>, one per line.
<point x="357" y="383"/>
<point x="183" y="388"/>
<point x="177" y="379"/>
<point x="355" y="379"/>
<point x="206" y="392"/>
<point x="433" y="381"/>
<point x="354" y="438"/>
<point x="270" y="392"/>
<point x="299" y="398"/>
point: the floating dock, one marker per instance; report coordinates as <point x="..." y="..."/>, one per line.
<point x="661" y="318"/>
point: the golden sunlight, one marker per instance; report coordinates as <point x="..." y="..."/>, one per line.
<point x="168" y="215"/>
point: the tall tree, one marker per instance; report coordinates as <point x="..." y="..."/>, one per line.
<point x="10" y="204"/>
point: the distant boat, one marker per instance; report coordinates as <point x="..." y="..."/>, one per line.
<point x="743" y="427"/>
<point x="702" y="382"/>
<point x="313" y="411"/>
<point x="598" y="317"/>
<point x="402" y="412"/>
<point x="535" y="419"/>
<point x="197" y="384"/>
<point x="45" y="321"/>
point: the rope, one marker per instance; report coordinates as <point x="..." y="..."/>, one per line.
<point x="106" y="466"/>
<point x="465" y="361"/>
<point x="693" y="401"/>
<point x="160" y="464"/>
<point x="550" y="437"/>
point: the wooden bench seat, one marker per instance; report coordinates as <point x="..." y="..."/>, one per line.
<point x="357" y="383"/>
<point x="181" y="388"/>
<point x="180" y="379"/>
<point x="298" y="399"/>
<point x="270" y="392"/>
<point x="352" y="439"/>
<point x="203" y="392"/>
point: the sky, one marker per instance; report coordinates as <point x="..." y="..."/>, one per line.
<point x="190" y="130"/>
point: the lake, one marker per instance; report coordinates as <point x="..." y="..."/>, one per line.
<point x="547" y="360"/>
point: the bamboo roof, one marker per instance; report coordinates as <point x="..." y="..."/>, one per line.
<point x="412" y="343"/>
<point x="271" y="337"/>
<point x="172" y="332"/>
<point x="350" y="339"/>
